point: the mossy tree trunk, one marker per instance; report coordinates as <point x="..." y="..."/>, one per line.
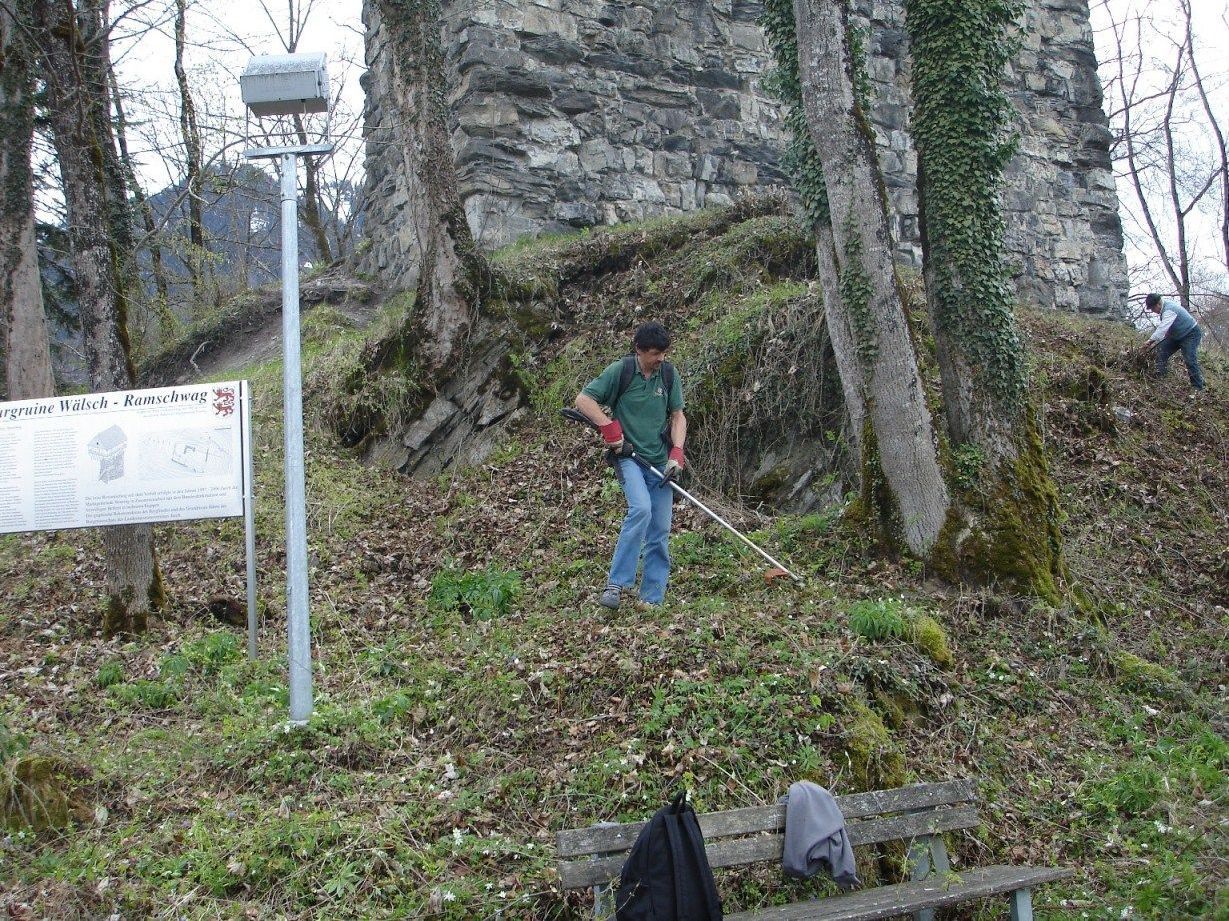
<point x="961" y="130"/>
<point x="73" y="58"/>
<point x="23" y="321"/>
<point x="452" y="270"/>
<point x="903" y="488"/>
<point x="309" y="205"/>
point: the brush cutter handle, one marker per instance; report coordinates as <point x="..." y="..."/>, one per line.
<point x="575" y="415"/>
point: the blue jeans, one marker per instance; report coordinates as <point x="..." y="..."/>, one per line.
<point x="1189" y="346"/>
<point x="646" y="530"/>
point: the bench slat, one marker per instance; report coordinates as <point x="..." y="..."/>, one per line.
<point x="732" y="853"/>
<point x="905" y="898"/>
<point x="908" y="827"/>
<point x="901" y="799"/>
<point x="577" y="842"/>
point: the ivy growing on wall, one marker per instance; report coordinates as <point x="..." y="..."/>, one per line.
<point x="414" y="26"/>
<point x="801" y="160"/>
<point x="961" y="129"/>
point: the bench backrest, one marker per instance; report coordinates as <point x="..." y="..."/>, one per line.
<point x="594" y="856"/>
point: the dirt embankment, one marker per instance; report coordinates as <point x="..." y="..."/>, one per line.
<point x="248" y="330"/>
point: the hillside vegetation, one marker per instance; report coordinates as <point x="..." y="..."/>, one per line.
<point x="472" y="698"/>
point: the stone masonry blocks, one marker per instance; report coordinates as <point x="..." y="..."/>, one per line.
<point x="568" y="114"/>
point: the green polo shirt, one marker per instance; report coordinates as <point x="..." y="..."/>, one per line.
<point x="643" y="408"/>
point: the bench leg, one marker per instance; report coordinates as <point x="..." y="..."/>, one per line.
<point x="920" y="861"/>
<point x="926" y="854"/>
<point x="603" y="895"/>
<point x="1022" y="905"/>
<point x="603" y="903"/>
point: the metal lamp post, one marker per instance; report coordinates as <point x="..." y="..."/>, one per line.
<point x="291" y="84"/>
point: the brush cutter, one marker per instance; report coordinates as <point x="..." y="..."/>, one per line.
<point x="576" y="415"/>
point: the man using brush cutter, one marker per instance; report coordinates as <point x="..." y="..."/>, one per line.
<point x="645" y="399"/>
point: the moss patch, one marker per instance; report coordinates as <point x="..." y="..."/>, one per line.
<point x="875" y="762"/>
<point x="1137" y="674"/>
<point x="928" y="635"/>
<point x="1012" y="533"/>
<point x="875" y="512"/>
<point x="36" y="792"/>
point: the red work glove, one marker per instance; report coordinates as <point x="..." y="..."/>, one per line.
<point x="612" y="434"/>
<point x="674" y="465"/>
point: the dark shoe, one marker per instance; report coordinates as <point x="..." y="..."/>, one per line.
<point x="610" y="597"/>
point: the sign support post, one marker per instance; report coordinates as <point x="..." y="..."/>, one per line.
<point x="249" y="521"/>
<point x="298" y="624"/>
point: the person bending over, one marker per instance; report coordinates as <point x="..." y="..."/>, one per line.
<point x="1177" y="331"/>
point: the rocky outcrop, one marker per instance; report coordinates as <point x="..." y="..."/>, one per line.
<point x="569" y="115"/>
<point x="465" y="421"/>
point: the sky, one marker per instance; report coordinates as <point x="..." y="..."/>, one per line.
<point x="224" y="35"/>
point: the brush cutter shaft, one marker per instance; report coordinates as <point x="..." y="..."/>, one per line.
<point x="717" y="518"/>
<point x="575" y="415"/>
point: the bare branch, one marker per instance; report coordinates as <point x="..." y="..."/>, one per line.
<point x="1222" y="172"/>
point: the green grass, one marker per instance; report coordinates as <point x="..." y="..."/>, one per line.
<point x="879" y="620"/>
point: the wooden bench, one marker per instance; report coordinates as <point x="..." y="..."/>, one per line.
<point x="917" y="815"/>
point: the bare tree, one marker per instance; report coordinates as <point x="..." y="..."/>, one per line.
<point x="339" y="186"/>
<point x="23" y="321"/>
<point x="1220" y="167"/>
<point x="866" y="317"/>
<point x="1170" y="146"/>
<point x="152" y="239"/>
<point x="191" y="133"/>
<point x="72" y="46"/>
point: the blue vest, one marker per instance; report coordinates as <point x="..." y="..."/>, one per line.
<point x="1183" y="322"/>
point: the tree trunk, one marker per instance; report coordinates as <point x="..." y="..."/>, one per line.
<point x="902" y="485"/>
<point x="191" y="134"/>
<point x="452" y="269"/>
<point x="309" y="208"/>
<point x="23" y="319"/>
<point x="960" y="121"/>
<point x="429" y="344"/>
<point x="73" y="58"/>
<point x="161" y="289"/>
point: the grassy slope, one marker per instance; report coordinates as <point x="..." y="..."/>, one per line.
<point x="460" y="723"/>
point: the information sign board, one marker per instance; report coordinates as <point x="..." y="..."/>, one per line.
<point x="125" y="457"/>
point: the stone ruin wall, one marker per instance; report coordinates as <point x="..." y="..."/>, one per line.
<point x="569" y="114"/>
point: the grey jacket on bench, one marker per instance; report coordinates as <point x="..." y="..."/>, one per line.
<point x="815" y="836"/>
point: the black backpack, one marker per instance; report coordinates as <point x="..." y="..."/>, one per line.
<point x="666" y="876"/>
